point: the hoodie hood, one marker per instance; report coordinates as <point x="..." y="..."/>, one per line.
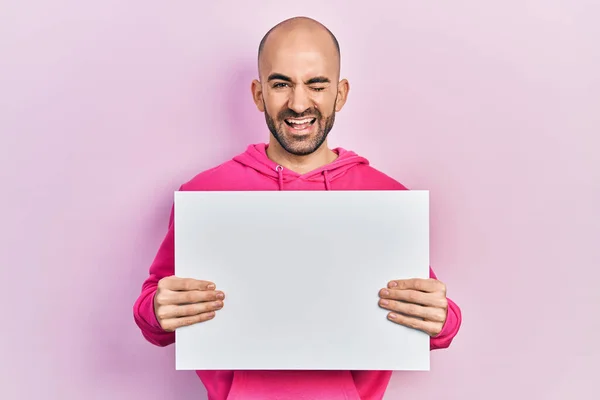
<point x="255" y="157"/>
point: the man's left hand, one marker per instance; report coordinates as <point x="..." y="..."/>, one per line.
<point x="416" y="303"/>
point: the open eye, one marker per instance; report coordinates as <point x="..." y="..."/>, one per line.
<point x="318" y="89"/>
<point x="279" y="85"/>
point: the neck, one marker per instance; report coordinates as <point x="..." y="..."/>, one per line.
<point x="300" y="164"/>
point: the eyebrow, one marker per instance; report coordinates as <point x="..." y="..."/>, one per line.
<point x="281" y="77"/>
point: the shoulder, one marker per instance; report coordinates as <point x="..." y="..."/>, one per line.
<point x="384" y="178"/>
<point x="369" y="177"/>
<point x="212" y="178"/>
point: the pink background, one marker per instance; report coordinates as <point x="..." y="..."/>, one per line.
<point x="107" y="106"/>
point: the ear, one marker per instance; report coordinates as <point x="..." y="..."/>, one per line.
<point x="257" y="95"/>
<point x="342" y="95"/>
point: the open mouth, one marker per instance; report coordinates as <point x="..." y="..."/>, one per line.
<point x="300" y="124"/>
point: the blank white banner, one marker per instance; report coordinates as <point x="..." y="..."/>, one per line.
<point x="301" y="272"/>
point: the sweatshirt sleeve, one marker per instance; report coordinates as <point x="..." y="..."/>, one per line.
<point x="143" y="309"/>
<point x="451" y="326"/>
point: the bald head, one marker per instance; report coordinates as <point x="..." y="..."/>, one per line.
<point x="299" y="87"/>
<point x="299" y="33"/>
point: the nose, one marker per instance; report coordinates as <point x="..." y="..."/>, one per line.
<point x="299" y="100"/>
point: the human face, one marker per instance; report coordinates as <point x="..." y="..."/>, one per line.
<point x="300" y="127"/>
<point x="300" y="96"/>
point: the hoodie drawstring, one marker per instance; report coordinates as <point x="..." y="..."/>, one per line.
<point x="279" y="170"/>
<point x="327" y="183"/>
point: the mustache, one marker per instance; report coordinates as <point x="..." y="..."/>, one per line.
<point x="314" y="113"/>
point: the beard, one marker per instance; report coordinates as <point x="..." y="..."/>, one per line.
<point x="305" y="145"/>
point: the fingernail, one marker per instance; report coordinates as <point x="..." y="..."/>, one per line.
<point x="392" y="316"/>
<point x="218" y="304"/>
<point x="393" y="284"/>
<point x="211" y="286"/>
<point x="384" y="302"/>
<point x="385" y="293"/>
<point x="220" y="296"/>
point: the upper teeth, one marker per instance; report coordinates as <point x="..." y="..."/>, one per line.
<point x="299" y="121"/>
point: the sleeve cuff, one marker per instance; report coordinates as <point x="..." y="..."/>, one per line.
<point x="450" y="328"/>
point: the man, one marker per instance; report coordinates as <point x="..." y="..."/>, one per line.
<point x="299" y="91"/>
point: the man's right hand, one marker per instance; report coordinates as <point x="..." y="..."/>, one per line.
<point x="180" y="302"/>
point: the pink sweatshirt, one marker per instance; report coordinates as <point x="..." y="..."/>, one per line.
<point x="253" y="170"/>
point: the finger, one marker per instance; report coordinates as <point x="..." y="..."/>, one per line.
<point x="179" y="311"/>
<point x="193" y="296"/>
<point x="174" y="323"/>
<point x="432" y="314"/>
<point x="429" y="327"/>
<point x="414" y="296"/>
<point x="185" y="284"/>
<point x="422" y="285"/>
